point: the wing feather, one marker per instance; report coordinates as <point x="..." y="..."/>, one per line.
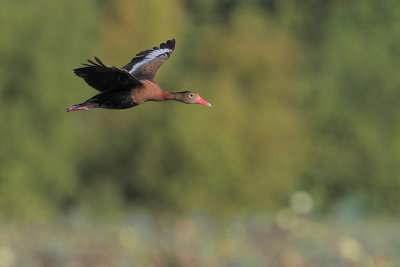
<point x="146" y="63"/>
<point x="103" y="78"/>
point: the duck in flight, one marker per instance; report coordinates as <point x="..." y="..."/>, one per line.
<point x="133" y="84"/>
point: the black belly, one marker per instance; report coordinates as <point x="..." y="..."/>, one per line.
<point x="113" y="100"/>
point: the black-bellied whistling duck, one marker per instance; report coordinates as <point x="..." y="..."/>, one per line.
<point x="132" y="84"/>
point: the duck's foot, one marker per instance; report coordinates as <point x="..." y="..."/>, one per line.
<point x="81" y="107"/>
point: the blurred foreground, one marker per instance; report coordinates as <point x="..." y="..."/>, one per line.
<point x="142" y="240"/>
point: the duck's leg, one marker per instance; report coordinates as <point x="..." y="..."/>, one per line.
<point x="88" y="104"/>
<point x="81" y="107"/>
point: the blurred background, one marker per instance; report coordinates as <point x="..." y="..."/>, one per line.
<point x="295" y="164"/>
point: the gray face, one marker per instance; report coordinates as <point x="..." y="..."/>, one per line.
<point x="189" y="97"/>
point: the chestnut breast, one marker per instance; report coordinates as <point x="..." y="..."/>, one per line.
<point x="150" y="91"/>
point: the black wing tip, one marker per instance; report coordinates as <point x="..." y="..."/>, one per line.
<point x="99" y="61"/>
<point x="170" y="44"/>
<point x="81" y="71"/>
<point x="93" y="64"/>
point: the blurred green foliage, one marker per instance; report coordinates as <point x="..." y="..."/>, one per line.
<point x="305" y="96"/>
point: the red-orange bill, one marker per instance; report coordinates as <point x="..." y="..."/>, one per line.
<point x="202" y="102"/>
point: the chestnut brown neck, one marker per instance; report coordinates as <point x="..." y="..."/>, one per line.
<point x="177" y="96"/>
<point x="150" y="91"/>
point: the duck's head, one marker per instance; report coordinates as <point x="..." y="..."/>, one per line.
<point x="190" y="97"/>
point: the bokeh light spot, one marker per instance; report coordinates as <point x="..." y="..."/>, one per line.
<point x="349" y="249"/>
<point x="301" y="202"/>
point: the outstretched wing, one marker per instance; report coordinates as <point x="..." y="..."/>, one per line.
<point x="146" y="63"/>
<point x="103" y="78"/>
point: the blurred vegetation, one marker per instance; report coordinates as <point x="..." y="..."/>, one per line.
<point x="304" y="93"/>
<point x="140" y="240"/>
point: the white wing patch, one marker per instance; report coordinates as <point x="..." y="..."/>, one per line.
<point x="149" y="57"/>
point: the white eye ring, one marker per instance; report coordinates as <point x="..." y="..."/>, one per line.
<point x="191" y="95"/>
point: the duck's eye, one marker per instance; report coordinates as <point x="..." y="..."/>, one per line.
<point x="191" y="95"/>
